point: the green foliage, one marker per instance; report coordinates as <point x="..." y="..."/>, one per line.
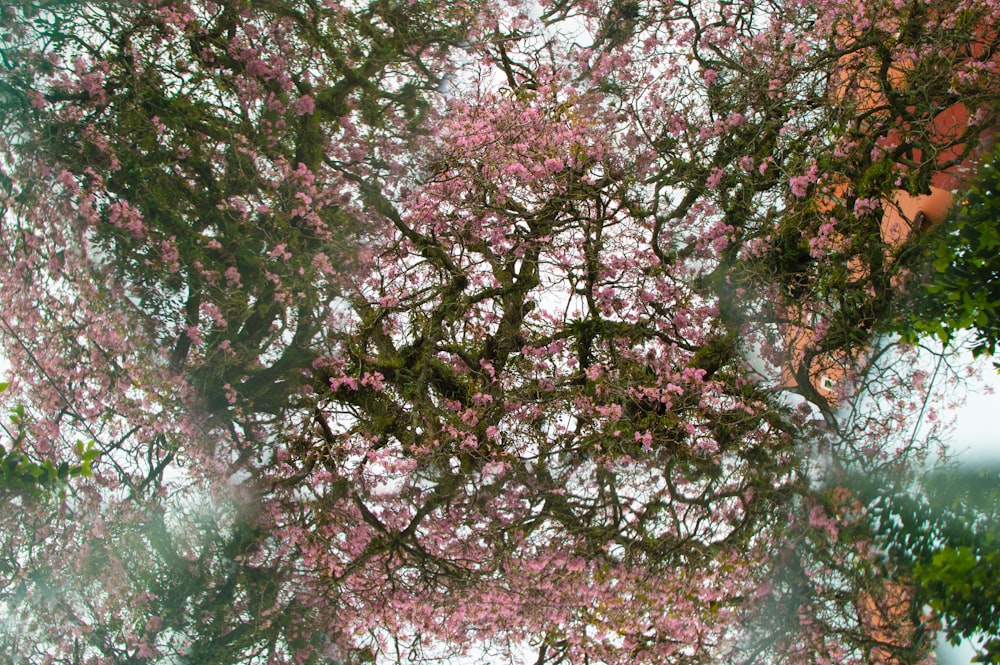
<point x="946" y="538"/>
<point x="961" y="581"/>
<point x="963" y="584"/>
<point x="21" y="475"/>
<point x="961" y="280"/>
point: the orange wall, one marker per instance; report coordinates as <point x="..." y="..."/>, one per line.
<point x="903" y="213"/>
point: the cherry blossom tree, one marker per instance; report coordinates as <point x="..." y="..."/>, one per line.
<point x="413" y="331"/>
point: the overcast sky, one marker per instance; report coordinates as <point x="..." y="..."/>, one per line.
<point x="977" y="436"/>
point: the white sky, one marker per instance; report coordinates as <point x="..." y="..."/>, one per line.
<point x="976" y="439"/>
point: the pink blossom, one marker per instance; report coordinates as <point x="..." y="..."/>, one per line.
<point x="800" y="183"/>
<point x="233" y="277"/>
<point x="304" y="105"/>
<point x="646" y="438"/>
<point x="280" y="252"/>
<point x="517" y="169"/>
<point x="257" y="67"/>
<point x="819" y="519"/>
<point x="146" y="650"/>
<point x="864" y="206"/>
<point x="373" y="380"/>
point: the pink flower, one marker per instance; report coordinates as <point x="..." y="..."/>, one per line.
<point x="819" y="519"/>
<point x="373" y="380"/>
<point x="517" y="169"/>
<point x="146" y="650"/>
<point x="257" y="67"/>
<point x="304" y="105"/>
<point x="864" y="206"/>
<point x="715" y="178"/>
<point x="171" y="255"/>
<point x="233" y="277"/>
<point x="554" y="165"/>
<point x="153" y="624"/>
<point x="647" y="440"/>
<point x="280" y="252"/>
<point x="800" y="184"/>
